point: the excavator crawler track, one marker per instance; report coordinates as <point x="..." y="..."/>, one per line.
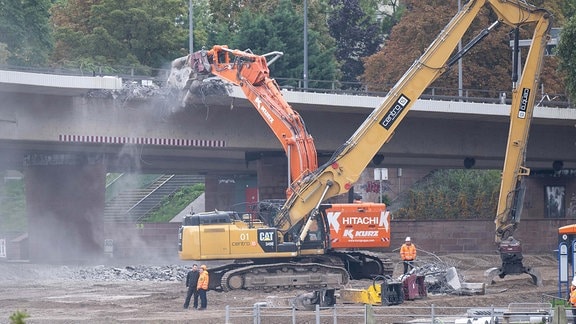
<point x="364" y="264"/>
<point x="284" y="276"/>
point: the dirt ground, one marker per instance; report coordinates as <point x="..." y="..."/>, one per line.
<point x="49" y="298"/>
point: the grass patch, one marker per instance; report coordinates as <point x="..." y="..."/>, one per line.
<point x="175" y="203"/>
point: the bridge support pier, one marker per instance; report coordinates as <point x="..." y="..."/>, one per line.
<point x="272" y="177"/>
<point x="65" y="207"/>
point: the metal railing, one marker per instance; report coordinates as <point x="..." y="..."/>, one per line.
<point x="159" y="77"/>
<point x="368" y="314"/>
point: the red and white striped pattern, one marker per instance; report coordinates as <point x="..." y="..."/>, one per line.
<point x="141" y="140"/>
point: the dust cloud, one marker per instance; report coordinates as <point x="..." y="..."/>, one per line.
<point x="72" y="230"/>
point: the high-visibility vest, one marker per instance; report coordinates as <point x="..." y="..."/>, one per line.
<point x="573" y="297"/>
<point x="408" y="252"/>
<point x="203" y="280"/>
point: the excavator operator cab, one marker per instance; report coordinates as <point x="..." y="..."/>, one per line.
<point x="316" y="237"/>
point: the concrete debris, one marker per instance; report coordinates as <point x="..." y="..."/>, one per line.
<point x="452" y="278"/>
<point x="132" y="90"/>
<point x="181" y="88"/>
<point x="32" y="272"/>
<point x="179" y="73"/>
<point x="191" y="86"/>
<point x="443" y="278"/>
<point x="281" y="302"/>
<point x="139" y="273"/>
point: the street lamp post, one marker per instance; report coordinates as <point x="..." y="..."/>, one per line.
<point x="460" y="84"/>
<point x="305" y="74"/>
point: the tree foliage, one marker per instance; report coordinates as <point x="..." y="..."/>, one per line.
<point x="357" y="36"/>
<point x="391" y="16"/>
<point x="486" y="67"/>
<point x="567" y="51"/>
<point x="109" y="32"/>
<point x="452" y="194"/>
<point x="343" y="36"/>
<point x="25" y="31"/>
<point x="258" y="30"/>
<point x="569" y="8"/>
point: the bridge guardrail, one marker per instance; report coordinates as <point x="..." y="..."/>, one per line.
<point x="159" y="76"/>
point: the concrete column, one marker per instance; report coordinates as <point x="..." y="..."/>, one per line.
<point x="220" y="192"/>
<point x="65" y="207"/>
<point x="272" y="177"/>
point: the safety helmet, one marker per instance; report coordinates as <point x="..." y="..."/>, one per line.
<point x="574" y="281"/>
<point x="407" y="238"/>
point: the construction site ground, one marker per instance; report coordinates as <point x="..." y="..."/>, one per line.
<point x="49" y="298"/>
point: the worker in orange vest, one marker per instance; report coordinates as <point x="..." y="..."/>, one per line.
<point x="202" y="287"/>
<point x="408" y="254"/>
<point x="573" y="299"/>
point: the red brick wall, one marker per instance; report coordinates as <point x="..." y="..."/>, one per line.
<point x="160" y="240"/>
<point x="538" y="236"/>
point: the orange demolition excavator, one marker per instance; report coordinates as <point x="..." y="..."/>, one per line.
<point x="352" y="226"/>
<point x="292" y="247"/>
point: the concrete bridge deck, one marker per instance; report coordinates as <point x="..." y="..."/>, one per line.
<point x="38" y="117"/>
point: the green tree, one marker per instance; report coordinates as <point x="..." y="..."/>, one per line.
<point x="25" y="30"/>
<point x="569" y="8"/>
<point x="38" y="41"/>
<point x="567" y="52"/>
<point x="258" y="35"/>
<point x="259" y="31"/>
<point x="322" y="62"/>
<point x="4" y="53"/>
<point x="12" y="30"/>
<point x="120" y="32"/>
<point x="357" y="36"/>
<point x="390" y="16"/>
<point x="452" y="194"/>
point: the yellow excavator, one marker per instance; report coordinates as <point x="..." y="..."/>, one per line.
<point x="277" y="252"/>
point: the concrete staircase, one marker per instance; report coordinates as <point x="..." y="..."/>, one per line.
<point x="133" y="205"/>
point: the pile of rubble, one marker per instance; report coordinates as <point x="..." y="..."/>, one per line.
<point x="139" y="273"/>
<point x="442" y="277"/>
<point x="181" y="88"/>
<point x="34" y="272"/>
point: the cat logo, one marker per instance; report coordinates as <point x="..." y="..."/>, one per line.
<point x="267" y="239"/>
<point x="266" y="236"/>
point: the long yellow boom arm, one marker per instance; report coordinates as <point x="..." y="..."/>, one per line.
<point x="346" y="165"/>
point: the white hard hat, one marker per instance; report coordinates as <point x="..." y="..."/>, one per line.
<point x="574" y="281"/>
<point x="408" y="239"/>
